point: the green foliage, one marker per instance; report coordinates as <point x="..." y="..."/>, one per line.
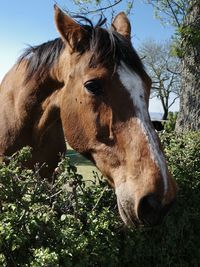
<point x="178" y="13"/>
<point x="183" y="154"/>
<point x="106" y="8"/>
<point x="169" y="125"/>
<point x="74" y="222"/>
<point x="45" y="224"/>
<point x="190" y="36"/>
<point x="170" y="11"/>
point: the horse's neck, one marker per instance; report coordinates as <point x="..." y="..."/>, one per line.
<point x="47" y="112"/>
<point x="35" y="100"/>
<point x="28" y="109"/>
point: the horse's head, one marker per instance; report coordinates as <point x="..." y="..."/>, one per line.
<point x="104" y="111"/>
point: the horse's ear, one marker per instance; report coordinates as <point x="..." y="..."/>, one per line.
<point x="121" y="24"/>
<point x="71" y="32"/>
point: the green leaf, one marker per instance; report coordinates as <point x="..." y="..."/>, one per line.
<point x="63" y="217"/>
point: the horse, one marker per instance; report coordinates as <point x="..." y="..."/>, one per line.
<point x="89" y="87"/>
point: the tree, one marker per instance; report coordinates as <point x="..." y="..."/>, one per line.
<point x="189" y="116"/>
<point x="107" y="8"/>
<point x="185" y="16"/>
<point x="163" y="68"/>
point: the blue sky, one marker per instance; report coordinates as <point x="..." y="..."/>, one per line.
<point x="25" y="22"/>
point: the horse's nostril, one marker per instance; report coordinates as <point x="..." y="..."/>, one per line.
<point x="150" y="210"/>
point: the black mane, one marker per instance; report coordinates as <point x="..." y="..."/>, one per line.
<point x="41" y="58"/>
<point x="106" y="46"/>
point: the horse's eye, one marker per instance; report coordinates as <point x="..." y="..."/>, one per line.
<point x="94" y="87"/>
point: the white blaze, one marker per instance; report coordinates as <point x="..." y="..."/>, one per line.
<point x="133" y="83"/>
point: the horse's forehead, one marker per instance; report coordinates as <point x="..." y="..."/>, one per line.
<point x="131" y="81"/>
<point x="117" y="73"/>
<point x="100" y="72"/>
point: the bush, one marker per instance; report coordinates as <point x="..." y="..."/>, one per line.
<point x="65" y="223"/>
<point x="75" y="222"/>
<point x="170" y="123"/>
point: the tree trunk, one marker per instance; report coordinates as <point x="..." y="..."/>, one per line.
<point x="165" y="114"/>
<point x="189" y="115"/>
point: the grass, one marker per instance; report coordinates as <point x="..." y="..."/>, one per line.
<point x="85" y="167"/>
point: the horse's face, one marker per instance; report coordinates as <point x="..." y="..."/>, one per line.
<point x="104" y="111"/>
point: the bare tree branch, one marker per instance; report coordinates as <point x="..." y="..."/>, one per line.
<point x="160" y="65"/>
<point x="173" y="101"/>
<point x="173" y="72"/>
<point x="130" y="7"/>
<point x="175" y="16"/>
<point x="102" y="8"/>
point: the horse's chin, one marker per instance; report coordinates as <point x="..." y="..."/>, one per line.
<point x="126" y="205"/>
<point x="127" y="214"/>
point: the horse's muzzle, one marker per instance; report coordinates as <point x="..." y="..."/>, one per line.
<point x="150" y="210"/>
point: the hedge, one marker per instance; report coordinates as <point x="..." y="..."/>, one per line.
<point x="75" y="222"/>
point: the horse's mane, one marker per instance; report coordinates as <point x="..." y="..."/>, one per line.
<point x="107" y="47"/>
<point x="41" y="58"/>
